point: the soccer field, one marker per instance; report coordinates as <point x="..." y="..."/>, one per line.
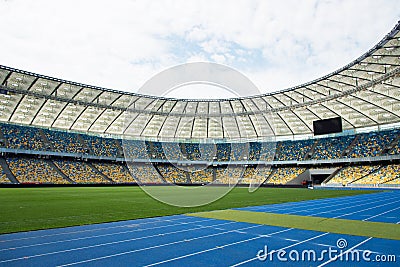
<point x="25" y="209"/>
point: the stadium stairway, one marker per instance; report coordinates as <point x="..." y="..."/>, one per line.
<point x="52" y="165"/>
<point x="159" y="173"/>
<point x="348" y="149"/>
<point x="352" y="182"/>
<point x="84" y="145"/>
<point x="99" y="173"/>
<point x="3" y="141"/>
<point x="310" y="153"/>
<point x="119" y="149"/>
<point x="395" y="178"/>
<point x="190" y="181"/>
<point x="277" y="151"/>
<point x="46" y="143"/>
<point x="302" y="176"/>
<point x="332" y="175"/>
<point x="273" y="170"/>
<point x="390" y="147"/>
<point x="7" y="171"/>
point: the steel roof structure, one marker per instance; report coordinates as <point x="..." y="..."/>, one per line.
<point x="366" y="92"/>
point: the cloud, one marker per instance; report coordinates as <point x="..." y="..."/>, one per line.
<point x="122" y="44"/>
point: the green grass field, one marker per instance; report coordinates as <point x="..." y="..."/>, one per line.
<point x="25" y="209"/>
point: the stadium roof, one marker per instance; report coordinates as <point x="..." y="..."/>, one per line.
<point x="366" y="92"/>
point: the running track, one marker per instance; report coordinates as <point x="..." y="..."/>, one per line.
<point x="182" y="240"/>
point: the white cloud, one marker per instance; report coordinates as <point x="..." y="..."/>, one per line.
<point x="121" y="44"/>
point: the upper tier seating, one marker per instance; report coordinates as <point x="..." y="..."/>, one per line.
<point x="102" y="146"/>
<point x="366" y="145"/>
<point x="293" y="150"/>
<point x="372" y="144"/>
<point x="20" y="137"/>
<point x="64" y="142"/>
<point x="331" y="148"/>
<point x="396" y="148"/>
<point x="135" y="149"/>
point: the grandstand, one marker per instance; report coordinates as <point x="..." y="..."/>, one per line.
<point x="54" y="131"/>
<point x="68" y="158"/>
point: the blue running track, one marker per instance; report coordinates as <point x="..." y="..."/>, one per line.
<point x="182" y="240"/>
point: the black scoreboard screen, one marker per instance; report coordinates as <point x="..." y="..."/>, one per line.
<point x="327" y="126"/>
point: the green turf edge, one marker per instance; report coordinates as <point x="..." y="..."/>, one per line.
<point x="338" y="226"/>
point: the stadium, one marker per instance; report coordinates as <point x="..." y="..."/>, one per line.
<point x="74" y="180"/>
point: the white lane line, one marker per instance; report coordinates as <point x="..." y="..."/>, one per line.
<point x="351" y="213"/>
<point x="366" y="199"/>
<point x="292" y="205"/>
<point x="103" y="244"/>
<point x="377" y="215"/>
<point x="321" y="202"/>
<point x="217" y="247"/>
<point x="111" y="234"/>
<point x="300" y="242"/>
<point x="290" y="228"/>
<point x="153" y="220"/>
<point x="344" y="252"/>
<point x="292" y="245"/>
<point x="333" y="205"/>
<point x="351" y="207"/>
<point x="157" y="246"/>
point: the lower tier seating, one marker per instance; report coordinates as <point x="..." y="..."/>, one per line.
<point x="3" y="177"/>
<point x="200" y="175"/>
<point x="115" y="172"/>
<point x="284" y="175"/>
<point x="256" y="175"/>
<point x="34" y="171"/>
<point x="350" y="174"/>
<point x="172" y="174"/>
<point x="383" y="175"/>
<point x="80" y="172"/>
<point x="64" y="171"/>
<point x="145" y="173"/>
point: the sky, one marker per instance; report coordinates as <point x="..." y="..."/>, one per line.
<point x="122" y="44"/>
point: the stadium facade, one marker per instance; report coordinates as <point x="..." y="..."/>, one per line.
<point x="57" y="131"/>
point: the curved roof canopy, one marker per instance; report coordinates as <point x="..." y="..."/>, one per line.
<point x="364" y="93"/>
